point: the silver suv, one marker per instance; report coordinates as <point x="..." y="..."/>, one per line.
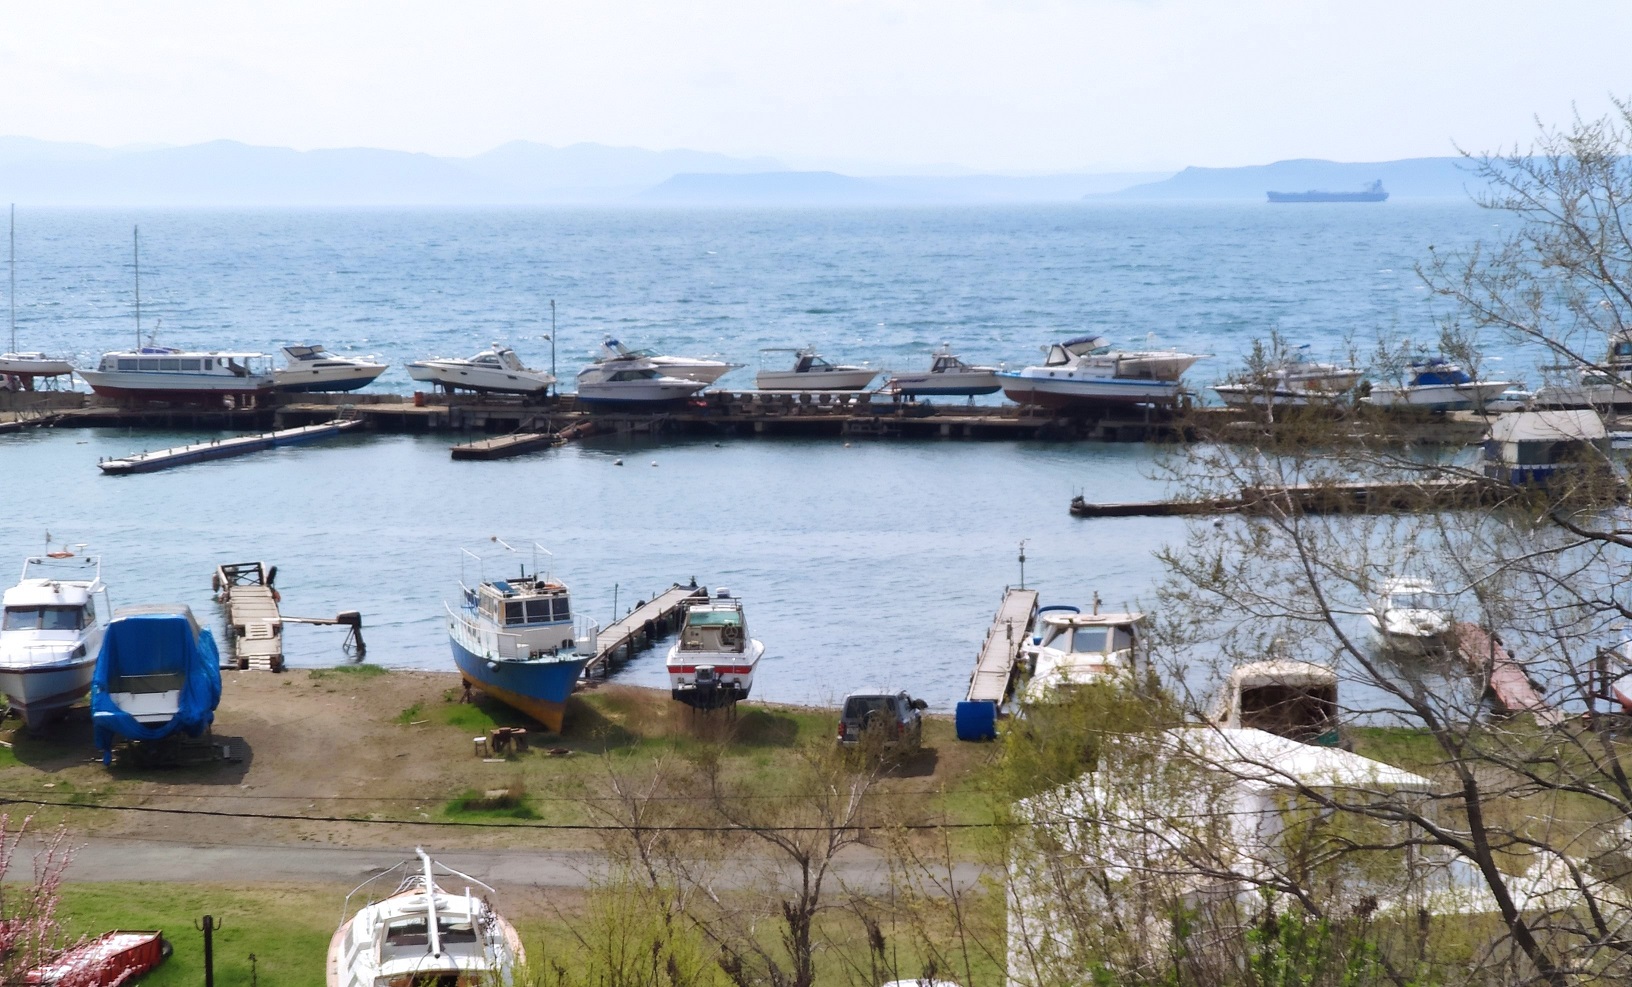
<point x="892" y="720"/>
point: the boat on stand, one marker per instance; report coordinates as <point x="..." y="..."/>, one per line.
<point x="311" y="368"/>
<point x="495" y="370"/>
<point x="713" y="663"/>
<point x="1084" y="372"/>
<point x="16" y="365"/>
<point x="422" y="935"/>
<point x="811" y="372"/>
<point x="684" y="367"/>
<point x="1289" y="380"/>
<point x="947" y="376"/>
<point x="50" y="633"/>
<point x="1434" y="383"/>
<point x="631" y="383"/>
<point x="516" y="638"/>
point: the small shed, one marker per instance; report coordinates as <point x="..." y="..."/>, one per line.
<point x="1529" y="447"/>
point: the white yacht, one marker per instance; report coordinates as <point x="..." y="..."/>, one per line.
<point x="713" y="663"/>
<point x="810" y="372"/>
<point x="420" y="934"/>
<point x="1290" y="380"/>
<point x="496" y="369"/>
<point x="1437" y="384"/>
<point x="1086" y="372"/>
<point x="947" y="375"/>
<point x="629" y="382"/>
<point x="50" y="632"/>
<point x="1412" y="616"/>
<point x="163" y="373"/>
<point x="25" y="366"/>
<point x="313" y="368"/>
<point x="684" y="367"/>
<point x="1072" y="648"/>
<point x="1604" y="385"/>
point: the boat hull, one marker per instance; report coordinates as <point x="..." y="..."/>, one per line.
<point x="636" y="394"/>
<point x="702" y="371"/>
<point x="139" y="386"/>
<point x="479" y="379"/>
<point x="824" y="380"/>
<point x="538" y="688"/>
<point x="326" y="379"/>
<point x="1067" y="394"/>
<point x="40" y="693"/>
<point x="945" y="384"/>
<point x="1438" y="397"/>
<point x="29" y="367"/>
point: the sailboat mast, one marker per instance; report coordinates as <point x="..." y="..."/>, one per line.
<point x="136" y="254"/>
<point x="12" y="294"/>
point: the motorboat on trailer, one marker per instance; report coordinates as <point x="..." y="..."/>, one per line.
<point x="811" y="372"/>
<point x="313" y="368"/>
<point x="515" y="639"/>
<point x="947" y="376"/>
<point x="632" y="384"/>
<point x="1289" y="380"/>
<point x="1412" y="616"/>
<point x="496" y="369"/>
<point x="1436" y="384"/>
<point x="1284" y="696"/>
<point x="684" y="367"/>
<point x="157" y="674"/>
<point x="421" y="935"/>
<point x="1071" y="648"/>
<point x="713" y="663"/>
<point x="1086" y="372"/>
<point x="50" y="633"/>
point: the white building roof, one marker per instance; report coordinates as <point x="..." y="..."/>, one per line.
<point x="1579" y="424"/>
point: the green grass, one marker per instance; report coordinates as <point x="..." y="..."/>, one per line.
<point x="411" y="715"/>
<point x="346" y="672"/>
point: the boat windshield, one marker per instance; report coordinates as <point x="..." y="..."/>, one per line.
<point x="44" y="618"/>
<point x="1101" y="639"/>
<point x="1421" y="600"/>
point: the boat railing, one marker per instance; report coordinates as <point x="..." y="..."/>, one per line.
<point x="488" y="641"/>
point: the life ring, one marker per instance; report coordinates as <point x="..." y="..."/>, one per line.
<point x="59" y="555"/>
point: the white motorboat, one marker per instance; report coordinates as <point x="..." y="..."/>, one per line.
<point x="947" y="375"/>
<point x="713" y="663"/>
<point x="496" y="369"/>
<point x="1289" y="380"/>
<point x="17" y="364"/>
<point x="630" y="382"/>
<point x="1086" y="372"/>
<point x="1286" y="697"/>
<point x="1437" y="384"/>
<point x="421" y="934"/>
<point x="50" y="633"/>
<point x="811" y="372"/>
<point x="684" y="367"/>
<point x="313" y="368"/>
<point x="1412" y="616"/>
<point x="1603" y="385"/>
<point x="1072" y="649"/>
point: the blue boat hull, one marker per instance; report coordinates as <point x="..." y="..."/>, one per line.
<point x="537" y="688"/>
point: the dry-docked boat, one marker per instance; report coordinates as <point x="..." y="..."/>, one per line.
<point x="1290" y="380"/>
<point x="162" y="373"/>
<point x="630" y="382"/>
<point x="947" y="376"/>
<point x="1284" y="696"/>
<point x="1604" y="385"/>
<point x="810" y="372"/>
<point x="1437" y="384"/>
<point x="50" y="634"/>
<point x="714" y="662"/>
<point x="157" y="673"/>
<point x="496" y="369"/>
<point x="684" y="367"/>
<point x="514" y="639"/>
<point x="1086" y="372"/>
<point x="421" y="934"/>
<point x="313" y="368"/>
<point x="1071" y="648"/>
<point x="16" y="363"/>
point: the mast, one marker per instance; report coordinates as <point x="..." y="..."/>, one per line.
<point x="136" y="255"/>
<point x="433" y="933"/>
<point x="12" y="295"/>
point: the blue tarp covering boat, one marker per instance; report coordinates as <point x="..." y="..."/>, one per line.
<point x="157" y="674"/>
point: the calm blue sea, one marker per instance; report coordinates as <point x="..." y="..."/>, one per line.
<point x="868" y="562"/>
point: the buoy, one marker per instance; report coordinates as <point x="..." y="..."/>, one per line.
<point x="617" y="462"/>
<point x="654" y="462"/>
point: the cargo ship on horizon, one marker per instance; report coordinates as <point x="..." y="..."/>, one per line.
<point x="1372" y="193"/>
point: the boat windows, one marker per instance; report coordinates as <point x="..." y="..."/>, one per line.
<point x="146" y="364"/>
<point x="123" y="365"/>
<point x="44" y="618"/>
<point x="563" y="608"/>
<point x="169" y="363"/>
<point x="191" y="365"/>
<point x="515" y="613"/>
<point x="1101" y="639"/>
<point x="1420" y="600"/>
<point x="209" y="363"/>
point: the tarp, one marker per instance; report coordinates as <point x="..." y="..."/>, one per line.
<point x="158" y="644"/>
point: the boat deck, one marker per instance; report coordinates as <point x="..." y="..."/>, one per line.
<point x="994" y="670"/>
<point x="648" y="621"/>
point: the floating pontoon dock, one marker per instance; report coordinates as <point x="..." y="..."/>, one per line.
<point x="641" y="626"/>
<point x="1484" y="655"/>
<point x="199" y="452"/>
<point x="519" y="443"/>
<point x="994" y="670"/>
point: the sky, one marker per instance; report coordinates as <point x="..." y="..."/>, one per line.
<point x="1016" y="86"/>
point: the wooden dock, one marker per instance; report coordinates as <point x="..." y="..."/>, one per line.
<point x="519" y="443"/>
<point x="253" y="620"/>
<point x="199" y="452"/>
<point x="649" y="620"/>
<point x="1505" y="679"/>
<point x="1360" y="497"/>
<point x="994" y="671"/>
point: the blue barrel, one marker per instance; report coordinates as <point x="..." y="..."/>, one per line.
<point x="976" y="719"/>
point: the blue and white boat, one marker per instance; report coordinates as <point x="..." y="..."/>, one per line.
<point x="1437" y="384"/>
<point x="157" y="673"/>
<point x="50" y="634"/>
<point x="514" y="639"/>
<point x="1086" y="372"/>
<point x="947" y="376"/>
<point x="312" y="368"/>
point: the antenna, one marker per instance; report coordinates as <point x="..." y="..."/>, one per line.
<point x="136" y="255"/>
<point x="13" y="292"/>
<point x="1023" y="562"/>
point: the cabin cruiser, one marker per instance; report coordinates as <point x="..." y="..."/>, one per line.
<point x="515" y="639"/>
<point x="713" y="663"/>
<point x="1085" y="372"/>
<point x="811" y="372"/>
<point x="1437" y="384"/>
<point x="632" y="382"/>
<point x="421" y="934"/>
<point x="947" y="375"/>
<point x="164" y="373"/>
<point x="1283" y="696"/>
<point x="157" y="674"/>
<point x="1072" y="648"/>
<point x="1603" y="385"/>
<point x="50" y="633"/>
<point x="1290" y="380"/>
<point x="313" y="368"/>
<point x="1412" y="616"/>
<point x="684" y="367"/>
<point x="496" y="369"/>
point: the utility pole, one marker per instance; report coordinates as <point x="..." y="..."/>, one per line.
<point x="209" y="927"/>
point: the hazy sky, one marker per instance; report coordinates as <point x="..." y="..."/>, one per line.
<point x="1018" y="85"/>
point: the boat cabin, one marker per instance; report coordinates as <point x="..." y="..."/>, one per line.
<point x="1531" y="447"/>
<point x="535" y="609"/>
<point x="716" y="626"/>
<point x="1289" y="698"/>
<point x="499" y="358"/>
<point x="810" y="363"/>
<point x="175" y="361"/>
<point x="1074" y="649"/>
<point x="1061" y="354"/>
<point x="1438" y="372"/>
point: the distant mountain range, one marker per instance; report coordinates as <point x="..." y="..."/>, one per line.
<point x="1409" y="178"/>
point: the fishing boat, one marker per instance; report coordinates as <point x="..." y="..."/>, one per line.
<point x="1286" y="697"/>
<point x="421" y="935"/>
<point x="14" y="363"/>
<point x="810" y="372"/>
<point x="312" y="368"/>
<point x="684" y="367"/>
<point x="1437" y="384"/>
<point x="1085" y="372"/>
<point x="157" y="674"/>
<point x="1071" y="649"/>
<point x="50" y="634"/>
<point x="713" y="663"/>
<point x="496" y="370"/>
<point x="1289" y="380"/>
<point x="515" y="639"/>
<point x="1412" y="616"/>
<point x="630" y="383"/>
<point x="947" y="376"/>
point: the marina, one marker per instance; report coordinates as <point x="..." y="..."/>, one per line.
<point x="201" y="452"/>
<point x="637" y="629"/>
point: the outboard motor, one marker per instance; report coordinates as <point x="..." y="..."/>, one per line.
<point x="707" y="684"/>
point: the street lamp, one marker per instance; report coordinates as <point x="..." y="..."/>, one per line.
<point x="551" y="337"/>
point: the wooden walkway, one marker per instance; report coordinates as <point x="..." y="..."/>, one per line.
<point x="641" y="626"/>
<point x="994" y="672"/>
<point x="519" y="443"/>
<point x="253" y="620"/>
<point x="1505" y="677"/>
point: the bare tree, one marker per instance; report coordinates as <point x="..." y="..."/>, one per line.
<point x="31" y="929"/>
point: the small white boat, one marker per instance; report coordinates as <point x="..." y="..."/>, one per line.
<point x="684" y="367"/>
<point x="1436" y="384"/>
<point x="1290" y="380"/>
<point x="496" y="369"/>
<point x="1605" y="385"/>
<point x="1412" y="616"/>
<point x="313" y="368"/>
<point x="1283" y="696"/>
<point x="1071" y="648"/>
<point x="630" y="382"/>
<point x="947" y="375"/>
<point x="1086" y="372"/>
<point x="423" y="936"/>
<point x="17" y="364"/>
<point x="713" y="663"/>
<point x="50" y="633"/>
<point x="811" y="372"/>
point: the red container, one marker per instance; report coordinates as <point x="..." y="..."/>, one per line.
<point x="112" y="960"/>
